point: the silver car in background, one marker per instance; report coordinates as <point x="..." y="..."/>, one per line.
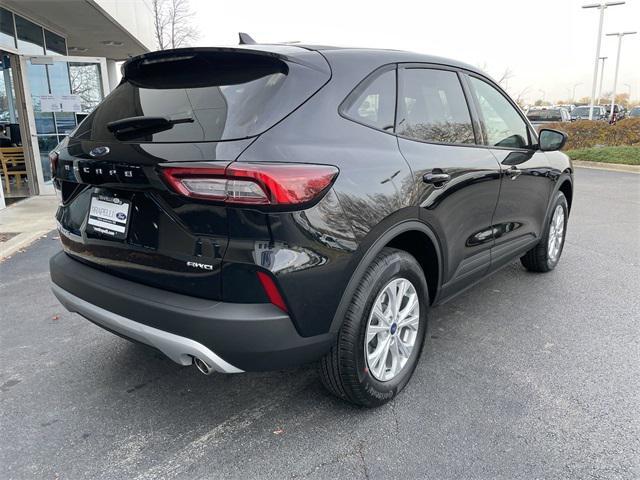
<point x="540" y="116"/>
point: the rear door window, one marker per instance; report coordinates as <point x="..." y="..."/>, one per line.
<point x="432" y="107"/>
<point x="207" y="96"/>
<point x="373" y="102"/>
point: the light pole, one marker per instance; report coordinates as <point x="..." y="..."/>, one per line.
<point x="601" y="6"/>
<point x="601" y="78"/>
<point x="615" y="75"/>
<point x="573" y="95"/>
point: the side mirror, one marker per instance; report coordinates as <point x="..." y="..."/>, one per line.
<point x="551" y="140"/>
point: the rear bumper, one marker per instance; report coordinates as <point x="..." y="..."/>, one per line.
<point x="231" y="337"/>
<point x="179" y="349"/>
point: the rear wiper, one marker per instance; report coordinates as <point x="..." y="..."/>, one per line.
<point x="134" y="127"/>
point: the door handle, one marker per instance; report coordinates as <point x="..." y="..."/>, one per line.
<point x="436" y="177"/>
<point x="513" y="172"/>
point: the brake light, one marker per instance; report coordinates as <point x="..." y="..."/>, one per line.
<point x="271" y="289"/>
<point x="253" y="183"/>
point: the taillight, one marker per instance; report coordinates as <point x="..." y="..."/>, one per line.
<point x="253" y="183"/>
<point x="53" y="162"/>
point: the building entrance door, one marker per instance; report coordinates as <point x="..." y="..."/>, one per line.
<point x="59" y="92"/>
<point x="14" y="175"/>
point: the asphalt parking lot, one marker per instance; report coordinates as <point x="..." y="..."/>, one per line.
<point x="525" y="376"/>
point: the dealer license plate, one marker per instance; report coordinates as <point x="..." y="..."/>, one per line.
<point x="109" y="216"/>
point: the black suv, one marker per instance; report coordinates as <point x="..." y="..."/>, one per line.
<point x="263" y="206"/>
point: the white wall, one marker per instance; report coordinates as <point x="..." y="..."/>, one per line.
<point x="136" y="16"/>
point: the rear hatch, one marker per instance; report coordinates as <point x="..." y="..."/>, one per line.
<point x="193" y="107"/>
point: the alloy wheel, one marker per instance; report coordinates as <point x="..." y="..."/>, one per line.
<point x="556" y="234"/>
<point x="392" y="329"/>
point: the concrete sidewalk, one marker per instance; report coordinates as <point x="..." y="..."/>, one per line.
<point x="26" y="221"/>
<point x="617" y="167"/>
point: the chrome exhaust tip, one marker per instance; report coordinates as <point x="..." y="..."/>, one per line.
<point x="202" y="366"/>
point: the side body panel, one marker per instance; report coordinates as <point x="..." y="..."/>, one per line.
<point x="460" y="212"/>
<point x="524" y="196"/>
<point x="364" y="194"/>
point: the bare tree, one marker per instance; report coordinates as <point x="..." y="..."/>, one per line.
<point x="520" y="99"/>
<point x="502" y="80"/>
<point x="85" y="82"/>
<point x="160" y="23"/>
<point x="172" y="23"/>
<point x="505" y="77"/>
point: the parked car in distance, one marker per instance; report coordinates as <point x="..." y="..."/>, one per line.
<point x="264" y="206"/>
<point x="569" y="108"/>
<point x="634" y="112"/>
<point x="618" y="111"/>
<point x="540" y="116"/>
<point x="582" y="113"/>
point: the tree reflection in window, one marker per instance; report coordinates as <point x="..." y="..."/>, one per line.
<point x="433" y="108"/>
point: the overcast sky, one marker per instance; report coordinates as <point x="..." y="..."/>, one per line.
<point x="548" y="44"/>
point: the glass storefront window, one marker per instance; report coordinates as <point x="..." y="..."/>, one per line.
<point x="7" y="33"/>
<point x="86" y="81"/>
<point x="56" y="45"/>
<point x="8" y="111"/>
<point x="65" y="122"/>
<point x="30" y="38"/>
<point x="59" y="78"/>
<point x="46" y="143"/>
<point x="39" y="85"/>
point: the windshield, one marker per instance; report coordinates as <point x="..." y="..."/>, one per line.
<point x="585" y="110"/>
<point x="545" y="115"/>
<point x="224" y="96"/>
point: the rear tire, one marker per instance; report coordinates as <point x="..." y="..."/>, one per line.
<point x="354" y="369"/>
<point x="546" y="254"/>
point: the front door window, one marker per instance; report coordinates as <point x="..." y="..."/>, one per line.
<point x="503" y="124"/>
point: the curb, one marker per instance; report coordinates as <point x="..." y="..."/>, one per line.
<point x="19" y="242"/>
<point x="617" y="167"/>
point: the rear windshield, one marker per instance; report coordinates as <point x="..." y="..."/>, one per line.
<point x="546" y="115"/>
<point x="213" y="96"/>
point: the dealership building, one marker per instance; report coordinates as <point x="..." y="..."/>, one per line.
<point x="58" y="61"/>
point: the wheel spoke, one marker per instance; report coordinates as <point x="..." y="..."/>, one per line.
<point x="408" y="309"/>
<point x="382" y="366"/>
<point x="380" y="315"/>
<point x="393" y="300"/>
<point x="402" y="348"/>
<point x="411" y="321"/>
<point x="374" y="330"/>
<point x="379" y="356"/>
<point x="395" y="358"/>
<point x="402" y="290"/>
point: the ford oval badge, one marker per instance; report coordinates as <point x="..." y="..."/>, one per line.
<point x="99" y="151"/>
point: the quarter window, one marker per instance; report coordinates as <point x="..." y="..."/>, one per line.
<point x="374" y="102"/>
<point x="504" y="126"/>
<point x="433" y="107"/>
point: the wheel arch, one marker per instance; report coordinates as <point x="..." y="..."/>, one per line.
<point x="408" y="236"/>
<point x="563" y="184"/>
<point x="566" y="187"/>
